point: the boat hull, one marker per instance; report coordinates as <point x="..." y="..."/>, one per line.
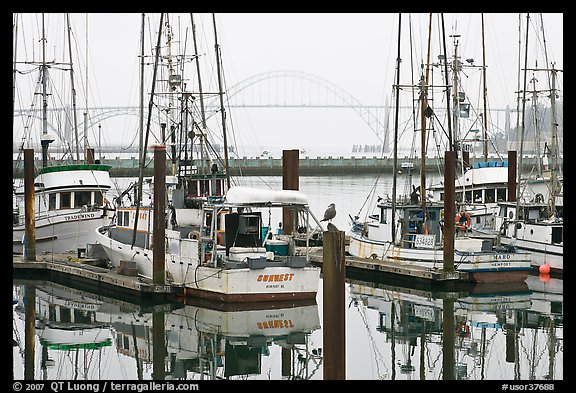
<point x="244" y="284"/>
<point x="61" y="233"/>
<point x="482" y="266"/>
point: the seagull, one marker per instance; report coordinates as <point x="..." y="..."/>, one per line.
<point x="330" y="213"/>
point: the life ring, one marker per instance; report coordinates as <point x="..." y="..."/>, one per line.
<point x="463" y="330"/>
<point x="463" y="221"/>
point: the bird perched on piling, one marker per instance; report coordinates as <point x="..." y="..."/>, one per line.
<point x="330" y="213"/>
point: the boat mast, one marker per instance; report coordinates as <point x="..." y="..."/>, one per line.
<point x="46" y="139"/>
<point x="141" y="133"/>
<point x="221" y="95"/>
<point x="395" y="162"/>
<point x="485" y="115"/>
<point x="150" y="106"/>
<point x="73" y="91"/>
<point x="201" y="94"/>
<point x="523" y="126"/>
<point x="423" y="114"/>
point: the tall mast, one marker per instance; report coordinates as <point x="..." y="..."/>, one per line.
<point x="523" y="126"/>
<point x="201" y="94"/>
<point x="450" y="136"/>
<point x="46" y="139"/>
<point x="221" y="94"/>
<point x="141" y="134"/>
<point x="150" y="106"/>
<point x="485" y="115"/>
<point x="424" y="103"/>
<point x="395" y="162"/>
<point x="73" y="91"/>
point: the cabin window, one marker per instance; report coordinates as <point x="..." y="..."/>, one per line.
<point x="193" y="188"/>
<point x="82" y="198"/>
<point x="65" y="198"/>
<point x="126" y="217"/>
<point x="98" y="198"/>
<point x="219" y="187"/>
<point x="52" y="201"/>
<point x="468" y="196"/>
<point x="383" y="216"/>
<point x="490" y="195"/>
<point x="477" y="196"/>
<point x="441" y="196"/>
<point x="119" y="219"/>
<point x="501" y="194"/>
<point x="458" y="196"/>
<point x="205" y="188"/>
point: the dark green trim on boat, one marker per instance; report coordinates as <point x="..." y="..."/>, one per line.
<point x="75" y="167"/>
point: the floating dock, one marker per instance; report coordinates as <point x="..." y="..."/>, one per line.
<point x="406" y="271"/>
<point x="66" y="267"/>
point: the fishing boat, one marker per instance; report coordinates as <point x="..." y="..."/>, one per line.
<point x="70" y="196"/>
<point x="70" y="203"/>
<point x="215" y="341"/>
<point x="534" y="222"/>
<point x="216" y="247"/>
<point x="481" y="258"/>
<point x="228" y="258"/>
<point x="409" y="230"/>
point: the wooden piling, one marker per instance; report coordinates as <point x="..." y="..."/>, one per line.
<point x="158" y="346"/>
<point x="512" y="162"/>
<point x="290" y="181"/>
<point x="449" y="210"/>
<point x="334" y="305"/>
<point x="29" y="213"/>
<point x="159" y="224"/>
<point x="448" y="339"/>
<point x="29" y="331"/>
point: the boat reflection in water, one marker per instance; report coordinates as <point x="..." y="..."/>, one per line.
<point x="88" y="337"/>
<point x="394" y="331"/>
<point x="496" y="332"/>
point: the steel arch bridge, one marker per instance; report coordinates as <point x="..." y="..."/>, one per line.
<point x="341" y="100"/>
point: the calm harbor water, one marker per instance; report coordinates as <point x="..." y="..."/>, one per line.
<point x="394" y="331"/>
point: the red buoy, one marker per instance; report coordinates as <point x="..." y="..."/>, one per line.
<point x="544" y="269"/>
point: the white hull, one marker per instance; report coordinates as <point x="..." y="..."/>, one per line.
<point x="62" y="233"/>
<point x="239" y="284"/>
<point x="552" y="255"/>
<point x="471" y="262"/>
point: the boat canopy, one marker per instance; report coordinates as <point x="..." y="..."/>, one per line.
<point x="241" y="195"/>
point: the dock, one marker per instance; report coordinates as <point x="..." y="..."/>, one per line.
<point x="85" y="272"/>
<point x="384" y="267"/>
<point x="68" y="268"/>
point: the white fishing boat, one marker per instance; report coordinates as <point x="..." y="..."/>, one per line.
<point x="481" y="258"/>
<point x="227" y="258"/>
<point x="410" y="230"/>
<point x="534" y="230"/>
<point x="478" y="190"/>
<point x="70" y="203"/>
<point x="69" y="194"/>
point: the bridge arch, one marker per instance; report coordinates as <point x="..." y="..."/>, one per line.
<point x="346" y="99"/>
